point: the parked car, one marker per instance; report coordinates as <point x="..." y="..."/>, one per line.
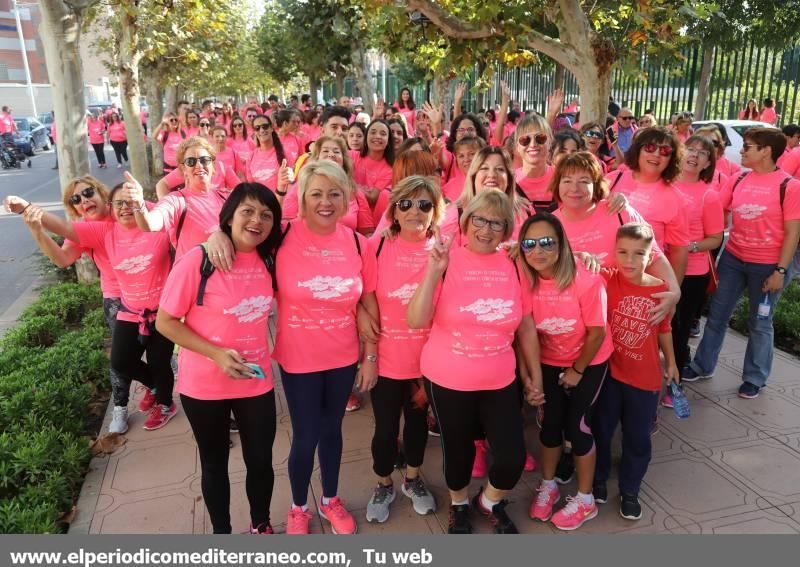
<point x="46" y="118"/>
<point x="31" y="135"/>
<point x="733" y="130"/>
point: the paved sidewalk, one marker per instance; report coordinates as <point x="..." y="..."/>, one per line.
<point x="733" y="467"/>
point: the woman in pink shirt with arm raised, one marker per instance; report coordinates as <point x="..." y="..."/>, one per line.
<point x="170" y="136"/>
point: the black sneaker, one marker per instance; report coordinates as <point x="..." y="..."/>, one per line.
<point x="748" y="391"/>
<point x="600" y="493"/>
<point x="234" y="427"/>
<point x="459" y="519"/>
<point x="565" y="469"/>
<point x="694" y="331"/>
<point x="497" y="515"/>
<point x="629" y="507"/>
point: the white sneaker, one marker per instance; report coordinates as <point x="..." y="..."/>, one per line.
<point x="119" y="166"/>
<point x="119" y="420"/>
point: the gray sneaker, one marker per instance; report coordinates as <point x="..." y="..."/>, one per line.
<point x="378" y="505"/>
<point x="119" y="420"/>
<point x="421" y="497"/>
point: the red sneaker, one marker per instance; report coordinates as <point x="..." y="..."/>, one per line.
<point x="297" y="521"/>
<point x="542" y="505"/>
<point x="159" y="416"/>
<point x="574" y="514"/>
<point x="352" y="403"/>
<point x="147" y="401"/>
<point x="342" y="522"/>
<point x="479" y="467"/>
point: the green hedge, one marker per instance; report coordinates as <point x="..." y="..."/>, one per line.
<point x="51" y="367"/>
<point x="786" y="321"/>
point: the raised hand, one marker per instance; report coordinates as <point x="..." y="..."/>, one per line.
<point x="14" y="204"/>
<point x="33" y="217"/>
<point x="439" y="256"/>
<point x="555" y="101"/>
<point x="132" y="190"/>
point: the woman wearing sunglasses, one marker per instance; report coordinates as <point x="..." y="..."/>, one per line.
<point x="96" y="129"/>
<point x="533" y="137"/>
<point x="118" y="139"/>
<point x="594" y="141"/>
<point x="240" y="141"/>
<point x="264" y="163"/>
<point x="292" y="137"/>
<point x="568" y="305"/>
<point x="204" y="128"/>
<point x="223" y="177"/>
<point x="415" y="208"/>
<point x="469" y="361"/>
<point x="725" y="168"/>
<point x="170" y="136"/>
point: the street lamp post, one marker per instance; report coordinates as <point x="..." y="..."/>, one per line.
<point x="420" y="19"/>
<point x="24" y="57"/>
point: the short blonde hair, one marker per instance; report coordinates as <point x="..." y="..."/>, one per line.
<point x="330" y="171"/>
<point x="410" y="187"/>
<point x="533" y="123"/>
<point x="494" y="202"/>
<point x="194" y="142"/>
<point x="347" y="162"/>
<point x="89" y="180"/>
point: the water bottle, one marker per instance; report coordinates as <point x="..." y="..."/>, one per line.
<point x="679" y="401"/>
<point x="764" y="307"/>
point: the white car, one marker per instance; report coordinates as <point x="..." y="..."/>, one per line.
<point x="734" y="129"/>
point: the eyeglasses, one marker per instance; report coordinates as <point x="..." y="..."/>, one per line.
<point x="546" y="243"/>
<point x="423" y="205"/>
<point x="251" y="116"/>
<point x="663" y="149"/>
<point x="265" y="127"/>
<point x="746" y="147"/>
<point x="204" y="125"/>
<point x="202" y="160"/>
<point x="593" y="134"/>
<point x="238" y="125"/>
<point x="120" y="204"/>
<point x="495" y="226"/>
<point x="624" y="117"/>
<point x="525" y="141"/>
<point x="173" y="120"/>
<point x="698" y="152"/>
<point x="466" y="131"/>
<point x="86" y="193"/>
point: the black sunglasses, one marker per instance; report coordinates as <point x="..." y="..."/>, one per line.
<point x="546" y="243"/>
<point x="87" y="193"/>
<point x="206" y="124"/>
<point x="172" y="120"/>
<point x="238" y="125"/>
<point x="193" y="161"/>
<point x="423" y="205"/>
<point x="262" y="127"/>
<point x="525" y="141"/>
<point x="593" y="134"/>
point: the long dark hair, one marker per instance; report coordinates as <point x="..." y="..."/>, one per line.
<point x="388" y="152"/>
<point x="260" y="193"/>
<point x="401" y="104"/>
<point x="232" y="132"/>
<point x="565" y="268"/>
<point x="276" y="141"/>
<point x="480" y="131"/>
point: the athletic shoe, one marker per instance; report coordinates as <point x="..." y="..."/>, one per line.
<point x="342" y="522"/>
<point x="297" y="521"/>
<point x="119" y="420"/>
<point x="689" y="375"/>
<point x="233" y="426"/>
<point x="666" y="400"/>
<point x="433" y="426"/>
<point x="264" y="529"/>
<point x="119" y="166"/>
<point x="530" y="462"/>
<point x="479" y="467"/>
<point x="497" y="515"/>
<point x="420" y="496"/>
<point x="694" y="331"/>
<point x="574" y="514"/>
<point x="159" y="416"/>
<point x="353" y="403"/>
<point x="542" y="505"/>
<point x="748" y="391"/>
<point x="378" y="505"/>
<point x="459" y="519"/>
<point x="565" y="469"/>
<point x="629" y="507"/>
<point x="147" y="401"/>
<point x="600" y="493"/>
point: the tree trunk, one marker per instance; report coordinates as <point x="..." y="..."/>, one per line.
<point x="705" y="83"/>
<point x="595" y="88"/>
<point x="441" y="95"/>
<point x="340" y="76"/>
<point x="171" y="97"/>
<point x="155" y="100"/>
<point x="363" y="77"/>
<point x="480" y="97"/>
<point x="313" y="84"/>
<point x="558" y="82"/>
<point x="129" y="57"/>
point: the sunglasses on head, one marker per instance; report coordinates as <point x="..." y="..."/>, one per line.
<point x="86" y="193"/>
<point x="663" y="150"/>
<point x="193" y="161"/>
<point x="423" y="205"/>
<point x="264" y="127"/>
<point x="546" y="243"/>
<point x="525" y="141"/>
<point x="593" y="134"/>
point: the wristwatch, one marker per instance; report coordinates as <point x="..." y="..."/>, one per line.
<point x="693" y="247"/>
<point x="372" y="358"/>
<point x="781" y="270"/>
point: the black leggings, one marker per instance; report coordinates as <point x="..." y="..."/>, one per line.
<point x="693" y="295"/>
<point x="464" y="416"/>
<point x="98" y="151"/>
<point x="568" y="412"/>
<point x="390" y="398"/>
<point x="256" y="419"/>
<point x="120" y="150"/>
<point x="126" y="360"/>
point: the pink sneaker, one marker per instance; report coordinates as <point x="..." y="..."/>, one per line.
<point x="479" y="467"/>
<point x="666" y="400"/>
<point x="342" y="522"/>
<point x="352" y="403"/>
<point x="574" y="514"/>
<point x="159" y="416"/>
<point x="147" y="401"/>
<point x="530" y="462"/>
<point x="297" y="521"/>
<point x="542" y="505"/>
<point x="263" y="529"/>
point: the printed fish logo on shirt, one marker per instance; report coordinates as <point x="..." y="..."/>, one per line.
<point x="489" y="309"/>
<point x="557" y="326"/>
<point x="251" y="308"/>
<point x="134" y="264"/>
<point x="404" y="294"/>
<point x="749" y="211"/>
<point x="328" y="287"/>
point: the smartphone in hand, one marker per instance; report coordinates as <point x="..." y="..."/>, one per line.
<point x="256" y="371"/>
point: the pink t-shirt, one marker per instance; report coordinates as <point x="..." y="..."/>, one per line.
<point x="562" y="317"/>
<point x="236" y="305"/>
<point x="263" y="167"/>
<point x="292" y="147"/>
<point x="191" y="131"/>
<point x="139" y="259"/>
<point x="401" y="267"/>
<point x="756" y="233"/>
<point x="243" y="148"/>
<point x="230" y="158"/>
<point x="96" y="129"/>
<point x="108" y="279"/>
<point x="536" y="189"/>
<point x="476" y="315"/>
<point x="790" y="162"/>
<point x="223" y="178"/>
<point x="200" y="221"/>
<point x="116" y="132"/>
<point x="320" y="282"/>
<point x="718" y="181"/>
<point x="358" y="216"/>
<point x="769" y="116"/>
<point x="371" y="173"/>
<point x="171" y="141"/>
<point x="7" y="124"/>
<point x="312" y="132"/>
<point x="727" y="167"/>
<point x="705" y="215"/>
<point x="452" y="189"/>
<point x="659" y="204"/>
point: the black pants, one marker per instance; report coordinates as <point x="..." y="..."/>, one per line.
<point x="210" y="426"/>
<point x="120" y="150"/>
<point x="98" y="151"/>
<point x="693" y="295"/>
<point x="463" y="416"/>
<point x="568" y="411"/>
<point x="390" y="398"/>
<point x="126" y="360"/>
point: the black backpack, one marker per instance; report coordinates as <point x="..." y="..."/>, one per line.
<point x="207" y="269"/>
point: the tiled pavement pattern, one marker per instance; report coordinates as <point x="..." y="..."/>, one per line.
<point x="733" y="467"/>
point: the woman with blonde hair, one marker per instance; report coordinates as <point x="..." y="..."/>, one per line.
<point x="533" y="137"/>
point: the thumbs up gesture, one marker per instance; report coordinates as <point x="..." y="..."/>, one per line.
<point x="285" y="177"/>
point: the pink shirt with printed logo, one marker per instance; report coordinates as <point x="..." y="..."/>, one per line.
<point x="236" y="305"/>
<point x="116" y="132"/>
<point x="476" y="314"/>
<point x="358" y="216"/>
<point x="756" y="233"/>
<point x="139" y="259"/>
<point x="108" y="279"/>
<point x="536" y="188"/>
<point x="96" y="130"/>
<point x="371" y="173"/>
<point x="705" y="215"/>
<point x="230" y="158"/>
<point x="563" y="316"/>
<point x="320" y="282"/>
<point x="243" y="148"/>
<point x="200" y="221"/>
<point x="263" y="167"/>
<point x="292" y="147"/>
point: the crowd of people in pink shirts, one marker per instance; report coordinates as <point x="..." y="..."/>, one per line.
<point x="457" y="275"/>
